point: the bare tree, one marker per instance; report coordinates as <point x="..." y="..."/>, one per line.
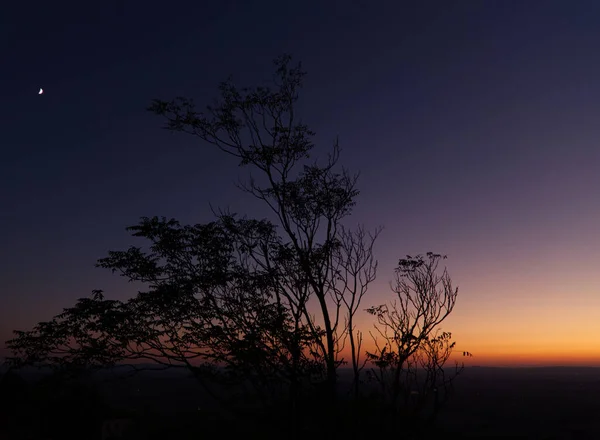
<point x="408" y="331"/>
<point x="355" y="268"/>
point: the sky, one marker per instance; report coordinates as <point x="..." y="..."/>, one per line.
<point x="473" y="125"/>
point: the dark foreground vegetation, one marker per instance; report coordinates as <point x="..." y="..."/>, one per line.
<point x="488" y="403"/>
<point x="163" y="404"/>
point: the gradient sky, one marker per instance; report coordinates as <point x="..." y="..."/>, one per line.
<point x="474" y="125"/>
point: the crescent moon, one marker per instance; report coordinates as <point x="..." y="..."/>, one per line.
<point x="41" y="91"/>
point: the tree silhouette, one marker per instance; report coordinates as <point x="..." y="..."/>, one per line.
<point x="356" y="268"/>
<point x="409" y="363"/>
<point x="259" y="127"/>
<point x="228" y="300"/>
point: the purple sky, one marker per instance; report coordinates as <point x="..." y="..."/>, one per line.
<point x="473" y="124"/>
